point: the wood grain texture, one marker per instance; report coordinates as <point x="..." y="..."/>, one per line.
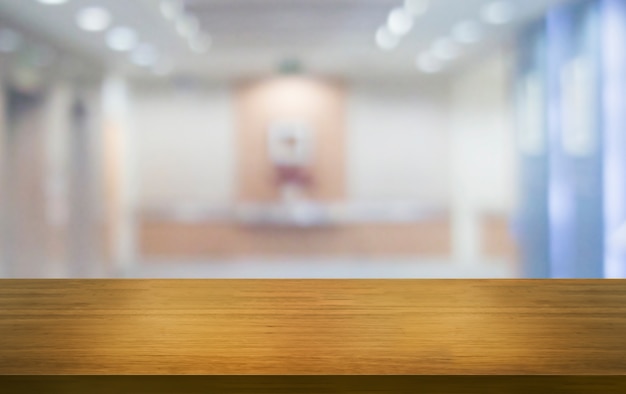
<point x="319" y="327"/>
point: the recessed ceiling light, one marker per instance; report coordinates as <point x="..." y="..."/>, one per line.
<point x="93" y="19"/>
<point x="53" y="2"/>
<point x="400" y="21"/>
<point x="445" y="49"/>
<point x="385" y="39"/>
<point x="467" y="32"/>
<point x="187" y="26"/>
<point x="9" y="40"/>
<point x="122" y="39"/>
<point x="428" y="64"/>
<point x="171" y="9"/>
<point x="145" y="55"/>
<point x="498" y="13"/>
<point x="417" y="7"/>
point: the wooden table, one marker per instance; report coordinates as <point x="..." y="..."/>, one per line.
<point x="318" y="327"/>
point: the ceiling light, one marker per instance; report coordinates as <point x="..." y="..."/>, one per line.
<point x="93" y="19"/>
<point x="171" y="9"/>
<point x="145" y="55"/>
<point x="200" y="44"/>
<point x="467" y="32"/>
<point x="428" y="64"/>
<point x="187" y="26"/>
<point x="445" y="49"/>
<point x="400" y="21"/>
<point x="122" y="39"/>
<point x="9" y="40"/>
<point x="53" y="2"/>
<point x="385" y="40"/>
<point x="416" y="7"/>
<point x="498" y="13"/>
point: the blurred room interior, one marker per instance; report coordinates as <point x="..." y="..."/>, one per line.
<point x="313" y="138"/>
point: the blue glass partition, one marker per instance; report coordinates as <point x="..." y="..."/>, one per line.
<point x="575" y="123"/>
<point x="532" y="133"/>
<point x="571" y="105"/>
<point x="614" y="112"/>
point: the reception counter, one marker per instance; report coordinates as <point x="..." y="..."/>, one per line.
<point x="490" y="329"/>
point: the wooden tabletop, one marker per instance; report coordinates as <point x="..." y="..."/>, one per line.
<point x="317" y="327"/>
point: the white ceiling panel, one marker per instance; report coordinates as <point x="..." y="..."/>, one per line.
<point x="252" y="37"/>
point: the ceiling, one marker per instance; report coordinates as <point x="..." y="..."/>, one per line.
<point x="251" y="37"/>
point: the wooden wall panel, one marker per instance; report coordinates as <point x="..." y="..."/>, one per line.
<point x="498" y="240"/>
<point x="202" y="240"/>
<point x="316" y="102"/>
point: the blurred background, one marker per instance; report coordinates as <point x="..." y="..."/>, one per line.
<point x="313" y="139"/>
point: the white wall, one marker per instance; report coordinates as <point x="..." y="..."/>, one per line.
<point x="398" y="147"/>
<point x="484" y="162"/>
<point x="434" y="144"/>
<point x="184" y="144"/>
<point x="484" y="159"/>
<point x="398" y="143"/>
